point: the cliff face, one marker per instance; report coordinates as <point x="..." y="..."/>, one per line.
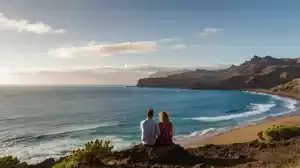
<point x="293" y="86"/>
<point x="259" y="72"/>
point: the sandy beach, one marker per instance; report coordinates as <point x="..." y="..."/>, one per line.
<point x="249" y="133"/>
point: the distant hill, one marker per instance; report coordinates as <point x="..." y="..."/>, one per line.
<point x="162" y="74"/>
<point x="259" y="72"/>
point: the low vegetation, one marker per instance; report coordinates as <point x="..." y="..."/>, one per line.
<point x="8" y="161"/>
<point x="89" y="156"/>
<point x="277" y="133"/>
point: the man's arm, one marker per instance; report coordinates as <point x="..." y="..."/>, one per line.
<point x="142" y="130"/>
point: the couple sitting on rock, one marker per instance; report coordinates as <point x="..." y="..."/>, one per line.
<point x="156" y="134"/>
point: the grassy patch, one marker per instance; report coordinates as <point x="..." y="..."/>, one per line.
<point x="89" y="156"/>
<point x="279" y="132"/>
<point x="8" y="161"/>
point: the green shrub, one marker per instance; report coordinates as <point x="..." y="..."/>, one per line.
<point x="277" y="133"/>
<point x="89" y="156"/>
<point x="67" y="163"/>
<point x="8" y="161"/>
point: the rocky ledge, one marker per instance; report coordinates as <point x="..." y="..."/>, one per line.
<point x="239" y="155"/>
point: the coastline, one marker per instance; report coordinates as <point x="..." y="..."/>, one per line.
<point x="248" y="133"/>
<point x="224" y="154"/>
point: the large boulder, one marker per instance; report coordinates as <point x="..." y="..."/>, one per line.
<point x="172" y="154"/>
<point x="160" y="154"/>
<point x="200" y="166"/>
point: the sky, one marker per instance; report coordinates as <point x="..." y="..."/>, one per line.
<point x="129" y="36"/>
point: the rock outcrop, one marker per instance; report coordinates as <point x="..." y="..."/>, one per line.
<point x="158" y="154"/>
<point x="259" y="72"/>
<point x="293" y="86"/>
<point x="239" y="155"/>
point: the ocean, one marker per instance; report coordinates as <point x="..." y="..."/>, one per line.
<point x="42" y="122"/>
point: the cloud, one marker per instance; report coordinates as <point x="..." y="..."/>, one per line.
<point x="143" y="68"/>
<point x="93" y="49"/>
<point x="26" y="26"/>
<point x="179" y="46"/>
<point x="167" y="40"/>
<point x="171" y="43"/>
<point x="210" y="31"/>
<point x="93" y="75"/>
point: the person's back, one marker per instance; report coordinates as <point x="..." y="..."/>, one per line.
<point x="149" y="130"/>
<point x="166" y="130"/>
<point x="165" y="134"/>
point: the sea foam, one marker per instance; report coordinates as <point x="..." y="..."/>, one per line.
<point x="35" y="153"/>
<point x="75" y="128"/>
<point x="255" y="110"/>
<point x="289" y="103"/>
<point x="186" y="139"/>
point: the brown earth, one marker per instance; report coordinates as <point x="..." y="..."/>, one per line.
<point x="240" y="155"/>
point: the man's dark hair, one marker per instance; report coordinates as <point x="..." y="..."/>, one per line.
<point x="150" y="113"/>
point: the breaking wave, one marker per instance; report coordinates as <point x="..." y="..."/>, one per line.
<point x="255" y="110"/>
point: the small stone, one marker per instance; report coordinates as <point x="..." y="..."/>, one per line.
<point x="263" y="146"/>
<point x="199" y="166"/>
<point x="209" y="146"/>
<point x="111" y="162"/>
<point x="238" y="156"/>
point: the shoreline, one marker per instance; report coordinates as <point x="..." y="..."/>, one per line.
<point x="292" y="95"/>
<point x="247" y="133"/>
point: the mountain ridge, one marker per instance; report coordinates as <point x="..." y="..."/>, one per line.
<point x="161" y="74"/>
<point x="258" y="72"/>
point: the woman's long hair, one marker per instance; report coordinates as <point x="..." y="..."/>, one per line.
<point x="163" y="117"/>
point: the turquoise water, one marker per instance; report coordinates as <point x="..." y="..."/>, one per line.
<point x="42" y="122"/>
